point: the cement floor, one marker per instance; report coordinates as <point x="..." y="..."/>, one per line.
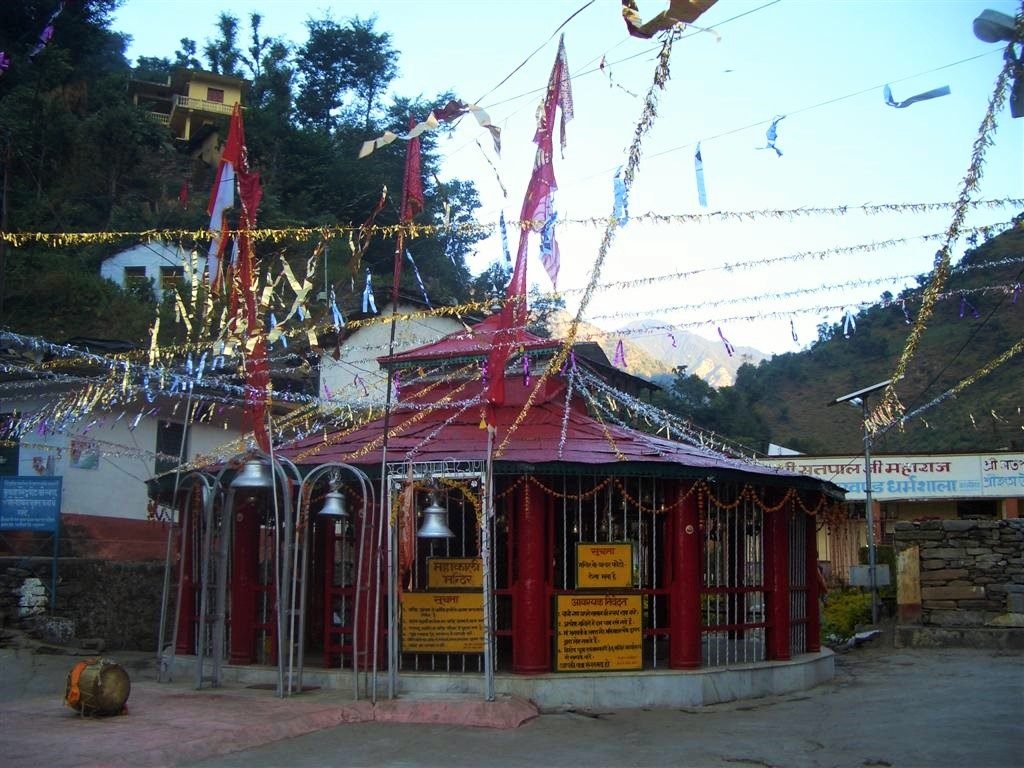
<point x="885" y="707"/>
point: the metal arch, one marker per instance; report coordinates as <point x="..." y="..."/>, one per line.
<point x="367" y="494"/>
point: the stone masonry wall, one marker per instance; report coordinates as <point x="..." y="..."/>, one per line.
<point x="116" y="601"/>
<point x="967" y="568"/>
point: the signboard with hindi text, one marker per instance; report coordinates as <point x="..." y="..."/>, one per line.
<point x="455" y="573"/>
<point x="599" y="633"/>
<point x="442" y="622"/>
<point x="916" y="477"/>
<point x="604" y="566"/>
<point x="30" y="503"/>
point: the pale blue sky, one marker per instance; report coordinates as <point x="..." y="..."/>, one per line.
<point x="787" y="57"/>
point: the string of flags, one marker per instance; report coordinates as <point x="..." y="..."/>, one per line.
<point x="448" y="113"/>
<point x="932" y="94"/>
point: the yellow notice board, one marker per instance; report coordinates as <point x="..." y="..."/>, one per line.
<point x="442" y="622"/>
<point x="599" y="632"/>
<point x="602" y="566"/>
<point x="455" y="573"/>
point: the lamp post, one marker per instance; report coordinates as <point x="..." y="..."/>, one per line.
<point x="995" y="27"/>
<point x="859" y="398"/>
<point x="333" y="507"/>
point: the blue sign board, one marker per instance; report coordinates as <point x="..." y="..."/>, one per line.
<point x="30" y="503"/>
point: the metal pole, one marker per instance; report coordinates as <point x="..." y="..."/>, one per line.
<point x="485" y="546"/>
<point x="868" y="513"/>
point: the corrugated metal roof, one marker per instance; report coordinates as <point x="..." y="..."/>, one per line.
<point x="473" y="342"/>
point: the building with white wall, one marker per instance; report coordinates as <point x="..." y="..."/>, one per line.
<point x="155" y="262"/>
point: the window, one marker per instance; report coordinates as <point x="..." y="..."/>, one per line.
<point x="973" y="509"/>
<point x="215" y="95"/>
<point x="134" y="276"/>
<point x="169" y="435"/>
<point x="171" y="277"/>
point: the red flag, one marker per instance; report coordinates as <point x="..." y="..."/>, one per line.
<point x="536" y="207"/>
<point x="222" y="196"/>
<point x="412" y="202"/>
<point x="183" y="194"/>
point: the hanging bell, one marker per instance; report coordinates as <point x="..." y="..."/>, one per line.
<point x="334" y="505"/>
<point x="253" y="474"/>
<point x="435" y="521"/>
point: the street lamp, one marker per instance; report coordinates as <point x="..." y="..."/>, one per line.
<point x="860" y="398"/>
<point x="995" y="27"/>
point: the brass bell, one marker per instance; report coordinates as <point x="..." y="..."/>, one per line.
<point x="435" y="521"/>
<point x="254" y="474"/>
<point x="334" y="505"/>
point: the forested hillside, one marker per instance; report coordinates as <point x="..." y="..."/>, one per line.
<point x="78" y="157"/>
<point x="979" y="316"/>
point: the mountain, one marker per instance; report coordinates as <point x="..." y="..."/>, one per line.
<point x="705" y="358"/>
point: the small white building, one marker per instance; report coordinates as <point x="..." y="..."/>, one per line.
<point x="156" y="262"/>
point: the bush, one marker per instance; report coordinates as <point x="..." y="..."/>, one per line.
<point x="844" y="610"/>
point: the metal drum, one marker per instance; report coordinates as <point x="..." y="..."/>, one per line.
<point x="97" y="687"/>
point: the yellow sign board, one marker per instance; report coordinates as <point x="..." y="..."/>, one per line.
<point x="599" y="633"/>
<point x="603" y="566"/>
<point x="455" y="573"/>
<point x="442" y="622"/>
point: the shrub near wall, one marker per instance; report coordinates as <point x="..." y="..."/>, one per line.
<point x="116" y="601"/>
<point x="967" y="567"/>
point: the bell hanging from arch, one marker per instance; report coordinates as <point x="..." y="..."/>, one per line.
<point x="253" y="474"/>
<point x="334" y="505"/>
<point x="435" y="521"/>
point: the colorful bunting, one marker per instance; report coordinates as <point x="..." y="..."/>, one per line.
<point x="698" y="164"/>
<point x="728" y="345"/>
<point x="679" y="11"/>
<point x="932" y="94"/>
<point x="772" y="134"/>
<point x="369" y="304"/>
<point x="449" y="112"/>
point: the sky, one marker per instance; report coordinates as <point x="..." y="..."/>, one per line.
<point x="821" y="65"/>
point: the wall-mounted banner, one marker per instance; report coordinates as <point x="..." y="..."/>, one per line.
<point x="931" y="476"/>
<point x="601" y="566"/>
<point x="442" y="622"/>
<point x="599" y="633"/>
<point x="455" y="573"/>
<point x="30" y="503"/>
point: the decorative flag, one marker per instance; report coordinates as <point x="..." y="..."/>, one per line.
<point x="183" y="194"/>
<point x="449" y="112"/>
<point x="620" y="356"/>
<point x="47" y="34"/>
<point x="504" y="238"/>
<point x="369" y="305"/>
<point x="336" y="317"/>
<point x="526" y="369"/>
<point x="849" y="324"/>
<point x="966" y="305"/>
<point x="412" y="184"/>
<point x="932" y="94"/>
<point x="537" y="205"/>
<point x="621" y="194"/>
<point x="772" y="134"/>
<point x="728" y="346"/>
<point x="698" y="165"/>
<point x="362" y="241"/>
<point x="792" y="331"/>
<point x="906" y="313"/>
<point x="672" y="338"/>
<point x="549" y="254"/>
<point x="5" y="62"/>
<point x="419" y="280"/>
<point x="222" y="197"/>
<point x="679" y="11"/>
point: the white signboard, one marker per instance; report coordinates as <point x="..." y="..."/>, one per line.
<point x="947" y="476"/>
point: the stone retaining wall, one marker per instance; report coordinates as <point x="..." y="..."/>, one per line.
<point x="116" y="601"/>
<point x="967" y="568"/>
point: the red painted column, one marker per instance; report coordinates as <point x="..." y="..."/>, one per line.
<point x="244" y="577"/>
<point x="531" y="648"/>
<point x="685" y="586"/>
<point x="777" y="582"/>
<point x="813" y="586"/>
<point x="186" y="614"/>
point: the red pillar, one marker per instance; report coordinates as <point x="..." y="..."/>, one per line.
<point x="777" y="582"/>
<point x="531" y="649"/>
<point x="813" y="586"/>
<point x="244" y="578"/>
<point x="186" y="559"/>
<point x="685" y="586"/>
